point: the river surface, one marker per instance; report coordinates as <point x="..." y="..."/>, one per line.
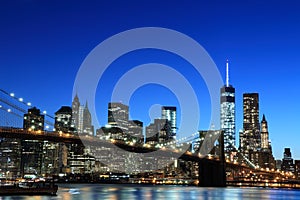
<point x="145" y="192"/>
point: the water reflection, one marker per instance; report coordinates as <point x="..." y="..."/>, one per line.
<point x="132" y="192"/>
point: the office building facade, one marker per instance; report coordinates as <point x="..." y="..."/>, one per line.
<point x="250" y="139"/>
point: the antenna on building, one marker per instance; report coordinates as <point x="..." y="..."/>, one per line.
<point x="227" y="74"/>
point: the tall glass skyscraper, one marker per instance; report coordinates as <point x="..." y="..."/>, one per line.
<point x="250" y="140"/>
<point x="227" y="101"/>
<point x="169" y="113"/>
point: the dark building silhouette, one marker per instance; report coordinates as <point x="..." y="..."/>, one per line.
<point x="297" y="169"/>
<point x="33" y="120"/>
<point x="287" y="161"/>
<point x="63" y="119"/>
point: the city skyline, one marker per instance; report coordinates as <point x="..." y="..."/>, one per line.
<point x="261" y="45"/>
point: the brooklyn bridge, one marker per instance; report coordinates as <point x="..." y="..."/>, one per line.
<point x="50" y="152"/>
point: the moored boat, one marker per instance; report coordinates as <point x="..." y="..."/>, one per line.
<point x="16" y="190"/>
<point x="28" y="187"/>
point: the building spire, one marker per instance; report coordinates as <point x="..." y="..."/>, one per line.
<point x="264" y="118"/>
<point x="227" y="74"/>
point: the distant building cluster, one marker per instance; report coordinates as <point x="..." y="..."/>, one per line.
<point x="21" y="156"/>
<point x="254" y="143"/>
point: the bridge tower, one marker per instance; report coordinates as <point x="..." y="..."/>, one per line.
<point x="212" y="172"/>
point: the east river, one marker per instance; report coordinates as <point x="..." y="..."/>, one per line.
<point x="145" y="192"/>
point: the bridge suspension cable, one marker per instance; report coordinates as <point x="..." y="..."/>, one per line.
<point x="14" y="103"/>
<point x="195" y="136"/>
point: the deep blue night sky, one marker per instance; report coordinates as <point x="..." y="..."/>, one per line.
<point x="43" y="43"/>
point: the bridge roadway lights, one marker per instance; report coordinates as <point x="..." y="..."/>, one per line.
<point x="211" y="173"/>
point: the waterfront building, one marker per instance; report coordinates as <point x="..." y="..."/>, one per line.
<point x="10" y="157"/>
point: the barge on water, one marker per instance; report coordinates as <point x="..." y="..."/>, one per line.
<point x="28" y="188"/>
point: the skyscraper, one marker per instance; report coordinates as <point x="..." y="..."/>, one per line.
<point x="118" y="115"/>
<point x="228" y="114"/>
<point x="266" y="159"/>
<point x="87" y="120"/>
<point x="81" y="117"/>
<point x="169" y="113"/>
<point x="264" y="133"/>
<point x="250" y="140"/>
<point x="75" y="111"/>
<point x="32" y="150"/>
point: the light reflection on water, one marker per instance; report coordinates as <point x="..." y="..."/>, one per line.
<point x="131" y="192"/>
